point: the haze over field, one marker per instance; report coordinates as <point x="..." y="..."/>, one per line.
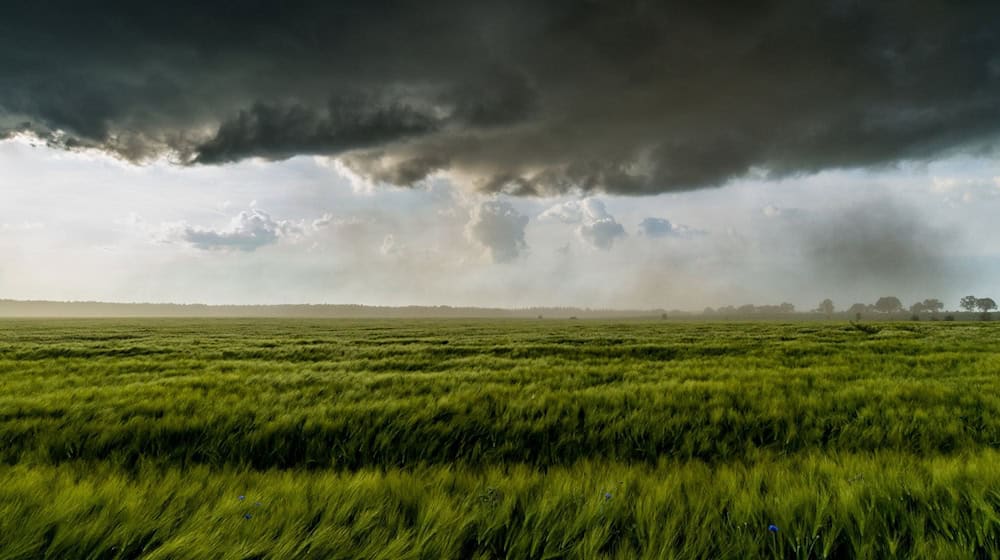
<point x="601" y="154"/>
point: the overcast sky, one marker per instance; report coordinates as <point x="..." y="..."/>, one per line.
<point x="600" y="154"/>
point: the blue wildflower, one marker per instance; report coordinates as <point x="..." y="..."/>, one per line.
<point x="607" y="495"/>
<point x="772" y="528"/>
<point x="241" y="498"/>
<point x="247" y="515"/>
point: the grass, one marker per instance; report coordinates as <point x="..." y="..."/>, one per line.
<point x="498" y="439"/>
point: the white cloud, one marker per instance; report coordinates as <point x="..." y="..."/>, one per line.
<point x="965" y="190"/>
<point x="328" y="220"/>
<point x="596" y="226"/>
<point x="568" y="212"/>
<point x="248" y="231"/>
<point x="323" y="221"/>
<point x="359" y="183"/>
<point x="662" y="227"/>
<point x="499" y="228"/>
<point x="601" y="233"/>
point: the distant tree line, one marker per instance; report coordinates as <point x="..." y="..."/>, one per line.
<point x="972" y="303"/>
<point x="885" y="305"/>
<point x="750" y="308"/>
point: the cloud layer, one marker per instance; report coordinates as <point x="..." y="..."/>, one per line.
<point x="523" y="97"/>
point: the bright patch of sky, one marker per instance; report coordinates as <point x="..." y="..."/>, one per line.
<point x="82" y="226"/>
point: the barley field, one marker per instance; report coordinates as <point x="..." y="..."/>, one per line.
<point x="433" y="439"/>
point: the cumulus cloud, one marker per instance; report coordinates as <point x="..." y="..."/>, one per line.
<point x="499" y="228"/>
<point x="596" y="226"/>
<point x="569" y="212"/>
<point x="662" y="227"/>
<point x="248" y="231"/>
<point x="521" y="96"/>
<point x="601" y="233"/>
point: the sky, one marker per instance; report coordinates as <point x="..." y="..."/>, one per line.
<point x="598" y="154"/>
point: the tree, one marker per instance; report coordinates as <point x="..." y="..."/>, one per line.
<point x="917" y="309"/>
<point x="888" y="304"/>
<point x="786" y="308"/>
<point x="857" y="309"/>
<point x="968" y="303"/>
<point x="986" y="305"/>
<point x="933" y="305"/>
<point x="826" y="306"/>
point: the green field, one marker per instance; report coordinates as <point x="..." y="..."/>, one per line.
<point x="278" y="439"/>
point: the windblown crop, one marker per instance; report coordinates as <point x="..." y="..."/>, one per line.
<point x="498" y="439"/>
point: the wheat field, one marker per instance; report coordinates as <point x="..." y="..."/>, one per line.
<point x="254" y="439"/>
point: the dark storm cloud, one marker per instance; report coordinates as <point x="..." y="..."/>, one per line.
<point x="525" y="97"/>
<point x="282" y="132"/>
